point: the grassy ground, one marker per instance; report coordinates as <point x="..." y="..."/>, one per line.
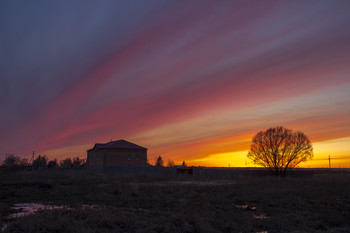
<point x="134" y="204"/>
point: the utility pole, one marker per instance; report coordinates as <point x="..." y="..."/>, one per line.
<point x="329" y="161"/>
<point x="33" y="160"/>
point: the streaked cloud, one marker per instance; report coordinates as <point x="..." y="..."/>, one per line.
<point x="186" y="80"/>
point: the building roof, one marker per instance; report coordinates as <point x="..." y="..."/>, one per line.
<point x="119" y="144"/>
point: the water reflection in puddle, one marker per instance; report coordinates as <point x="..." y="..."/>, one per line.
<point x="261" y="216"/>
<point x="24" y="209"/>
<point x="192" y="183"/>
<point x="246" y="207"/>
<point x="252" y="208"/>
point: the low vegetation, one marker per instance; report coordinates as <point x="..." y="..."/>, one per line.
<point x="182" y="204"/>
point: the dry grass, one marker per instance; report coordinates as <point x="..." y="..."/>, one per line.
<point x="134" y="204"/>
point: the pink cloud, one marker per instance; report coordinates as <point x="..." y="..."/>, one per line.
<point x="183" y="64"/>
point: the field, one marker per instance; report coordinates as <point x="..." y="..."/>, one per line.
<point x="88" y="202"/>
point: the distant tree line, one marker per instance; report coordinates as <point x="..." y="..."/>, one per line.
<point x="160" y="163"/>
<point x="42" y="162"/>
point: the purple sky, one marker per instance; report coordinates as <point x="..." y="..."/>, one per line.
<point x="187" y="79"/>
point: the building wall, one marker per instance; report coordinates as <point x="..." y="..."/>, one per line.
<point x="95" y="159"/>
<point x="125" y="158"/>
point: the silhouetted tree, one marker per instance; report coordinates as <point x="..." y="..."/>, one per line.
<point x="78" y="163"/>
<point x="40" y="162"/>
<point x="24" y="162"/>
<point x="170" y="163"/>
<point x="66" y="163"/>
<point x="52" y="164"/>
<point x="184" y="164"/>
<point x="12" y="161"/>
<point x="159" y="162"/>
<point x="279" y="149"/>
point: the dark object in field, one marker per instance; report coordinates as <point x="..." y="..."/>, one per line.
<point x="184" y="170"/>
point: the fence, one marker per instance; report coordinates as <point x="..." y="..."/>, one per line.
<point x="201" y="172"/>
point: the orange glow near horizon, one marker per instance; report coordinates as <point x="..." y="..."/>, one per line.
<point x="218" y="153"/>
<point x="228" y="159"/>
<point x="192" y="83"/>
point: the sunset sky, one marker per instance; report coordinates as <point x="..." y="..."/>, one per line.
<point x="189" y="80"/>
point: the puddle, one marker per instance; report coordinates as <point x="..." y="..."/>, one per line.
<point x="193" y="183"/>
<point x="201" y="183"/>
<point x="261" y="216"/>
<point x="246" y="207"/>
<point x="3" y="228"/>
<point x="241" y="206"/>
<point x="252" y="208"/>
<point x="24" y="209"/>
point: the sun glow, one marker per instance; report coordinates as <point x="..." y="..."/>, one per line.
<point x="228" y="159"/>
<point x="337" y="149"/>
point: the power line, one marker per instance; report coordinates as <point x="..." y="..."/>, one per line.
<point x="347" y="157"/>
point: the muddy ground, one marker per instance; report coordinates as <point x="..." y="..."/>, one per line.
<point x="104" y="203"/>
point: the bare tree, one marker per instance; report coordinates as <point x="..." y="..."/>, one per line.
<point x="40" y="162"/>
<point x="279" y="149"/>
<point x="12" y="161"/>
<point x="78" y="162"/>
<point x="66" y="163"/>
<point x="159" y="162"/>
<point x="52" y="164"/>
<point x="25" y="162"/>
